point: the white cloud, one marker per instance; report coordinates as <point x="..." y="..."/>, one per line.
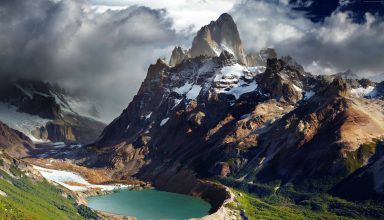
<point x="106" y="55"/>
<point x="334" y="45"/>
<point x="186" y="14"/>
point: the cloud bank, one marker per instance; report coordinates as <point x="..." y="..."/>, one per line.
<point x="335" y="44"/>
<point x="105" y="55"/>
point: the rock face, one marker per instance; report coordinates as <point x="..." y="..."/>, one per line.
<point x="48" y="103"/>
<point x="178" y="55"/>
<point x="219" y="35"/>
<point x="13" y="142"/>
<point x="214" y="115"/>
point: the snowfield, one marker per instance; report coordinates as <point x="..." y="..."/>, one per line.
<point x="164" y="121"/>
<point x="62" y="177"/>
<point x="20" y="121"/>
<point x="230" y="80"/>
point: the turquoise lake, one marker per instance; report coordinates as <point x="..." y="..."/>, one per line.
<point x="151" y="204"/>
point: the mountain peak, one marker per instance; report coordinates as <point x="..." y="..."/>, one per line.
<point x="218" y="36"/>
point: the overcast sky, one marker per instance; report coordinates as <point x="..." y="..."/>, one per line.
<point x="105" y="46"/>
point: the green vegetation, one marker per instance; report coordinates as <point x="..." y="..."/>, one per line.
<point x="356" y="159"/>
<point x="262" y="201"/>
<point x="27" y="199"/>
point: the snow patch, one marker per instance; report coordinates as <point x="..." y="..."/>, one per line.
<point x="164" y="121"/>
<point x="62" y="177"/>
<point x="297" y="88"/>
<point x="176" y="102"/>
<point x="58" y="144"/>
<point x="361" y="92"/>
<point x="230" y="80"/>
<point x="194" y="92"/>
<point x="148" y="116"/>
<point x="308" y="94"/>
<point x="257" y="69"/>
<point x="183" y="89"/>
<point x="20" y="121"/>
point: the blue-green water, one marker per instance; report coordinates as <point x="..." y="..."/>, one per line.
<point x="151" y="204"/>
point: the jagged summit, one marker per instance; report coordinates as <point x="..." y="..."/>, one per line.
<point x="178" y="55"/>
<point x="219" y="35"/>
<point x="349" y="74"/>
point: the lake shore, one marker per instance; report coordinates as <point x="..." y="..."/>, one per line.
<point x="220" y="211"/>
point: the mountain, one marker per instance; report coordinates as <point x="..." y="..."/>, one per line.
<point x="214" y="116"/>
<point x="349" y="74"/>
<point x="13" y="142"/>
<point x="212" y="39"/>
<point x="43" y="111"/>
<point x="218" y="36"/>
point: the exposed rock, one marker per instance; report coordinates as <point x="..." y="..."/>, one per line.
<point x="219" y="35"/>
<point x="338" y="87"/>
<point x="13" y="142"/>
<point x="282" y="81"/>
<point x="178" y="55"/>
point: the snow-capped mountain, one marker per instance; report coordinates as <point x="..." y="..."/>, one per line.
<point x="212" y="114"/>
<point x="46" y="112"/>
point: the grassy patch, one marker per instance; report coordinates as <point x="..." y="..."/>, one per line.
<point x="35" y="200"/>
<point x="261" y="201"/>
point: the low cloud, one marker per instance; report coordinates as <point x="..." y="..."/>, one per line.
<point x="335" y="44"/>
<point x="104" y="54"/>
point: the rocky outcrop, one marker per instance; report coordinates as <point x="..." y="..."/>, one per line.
<point x="178" y="55"/>
<point x="13" y="142"/>
<point x="283" y="81"/>
<point x="218" y="36"/>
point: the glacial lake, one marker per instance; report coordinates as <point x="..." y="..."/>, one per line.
<point x="151" y="204"/>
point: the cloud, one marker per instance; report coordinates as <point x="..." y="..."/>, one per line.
<point x="106" y="55"/>
<point x="187" y="15"/>
<point x="335" y="44"/>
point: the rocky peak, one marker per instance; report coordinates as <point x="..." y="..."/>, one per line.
<point x="178" y="55"/>
<point x="155" y="69"/>
<point x="282" y="81"/>
<point x="338" y="87"/>
<point x="219" y="35"/>
<point x="349" y="74"/>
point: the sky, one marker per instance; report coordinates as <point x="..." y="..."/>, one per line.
<point x="104" y="47"/>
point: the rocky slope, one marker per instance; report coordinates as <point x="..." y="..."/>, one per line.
<point x="46" y="112"/>
<point x="214" y="115"/>
<point x="13" y="142"/>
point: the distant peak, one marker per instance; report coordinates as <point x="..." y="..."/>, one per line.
<point x="225" y="17"/>
<point x="218" y="36"/>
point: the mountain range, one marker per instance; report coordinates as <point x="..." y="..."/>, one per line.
<point x="207" y="113"/>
